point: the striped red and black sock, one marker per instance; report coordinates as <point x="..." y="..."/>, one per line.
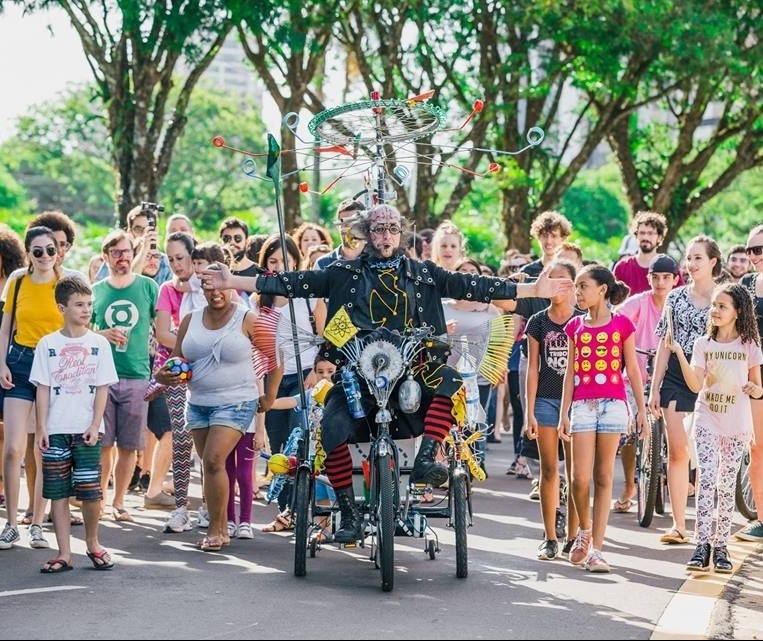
<point x="339" y="467"/>
<point x="438" y="418"/>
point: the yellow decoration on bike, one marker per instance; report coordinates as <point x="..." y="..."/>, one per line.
<point x="478" y="474"/>
<point x="499" y="343"/>
<point x="320" y="453"/>
<point x="459" y="406"/>
<point x="340" y="328"/>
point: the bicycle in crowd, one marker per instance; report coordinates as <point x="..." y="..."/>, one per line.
<point x="381" y="360"/>
<point x="651" y="459"/>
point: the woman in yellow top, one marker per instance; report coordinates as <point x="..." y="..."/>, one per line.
<point x="36" y="315"/>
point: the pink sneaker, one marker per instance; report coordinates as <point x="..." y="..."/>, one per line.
<point x="596" y="563"/>
<point x="580" y="547"/>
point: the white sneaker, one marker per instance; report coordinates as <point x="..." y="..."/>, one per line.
<point x="203" y="517"/>
<point x="178" y="522"/>
<point x="244" y="531"/>
<point x="231" y="529"/>
<point x="36" y="538"/>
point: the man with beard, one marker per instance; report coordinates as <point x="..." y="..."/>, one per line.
<point x="382" y="288"/>
<point x="233" y="237"/>
<point x="649" y="228"/>
<point x="124" y="306"/>
<point x="737" y="262"/>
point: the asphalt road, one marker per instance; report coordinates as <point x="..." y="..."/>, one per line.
<point x="164" y="588"/>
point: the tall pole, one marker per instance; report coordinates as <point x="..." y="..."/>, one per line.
<point x="274" y="173"/>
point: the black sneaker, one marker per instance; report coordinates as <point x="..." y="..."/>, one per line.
<point x="700" y="560"/>
<point x="145" y="481"/>
<point x="721" y="563"/>
<point x="548" y="550"/>
<point x="560" y="524"/>
<point x="567" y="547"/>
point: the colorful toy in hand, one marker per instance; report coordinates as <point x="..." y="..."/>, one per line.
<point x="181" y="367"/>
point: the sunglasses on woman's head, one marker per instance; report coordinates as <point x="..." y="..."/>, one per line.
<point x="757" y="250"/>
<point x="39" y="252"/>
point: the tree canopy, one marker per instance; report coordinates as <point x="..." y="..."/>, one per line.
<point x="673" y="92"/>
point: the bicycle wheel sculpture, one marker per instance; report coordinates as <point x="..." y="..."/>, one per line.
<point x="381" y="141"/>
<point x="377" y="121"/>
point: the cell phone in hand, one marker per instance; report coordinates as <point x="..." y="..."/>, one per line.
<point x="150" y="210"/>
<point x="669" y="321"/>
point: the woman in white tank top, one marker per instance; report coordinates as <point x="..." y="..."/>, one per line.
<point x="223" y="393"/>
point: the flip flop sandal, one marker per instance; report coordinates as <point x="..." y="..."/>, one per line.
<point x="26" y="519"/>
<point x="211" y="544"/>
<point x="73" y="520"/>
<point x="323" y="536"/>
<point x="120" y="514"/>
<point x="56" y="566"/>
<point x="621" y="507"/>
<point x="279" y="524"/>
<point x="674" y="536"/>
<point x="101" y="560"/>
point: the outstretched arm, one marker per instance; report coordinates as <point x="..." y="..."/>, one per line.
<point x="222" y="279"/>
<point x="545" y="287"/>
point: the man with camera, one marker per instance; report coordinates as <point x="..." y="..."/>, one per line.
<point x="142" y="229"/>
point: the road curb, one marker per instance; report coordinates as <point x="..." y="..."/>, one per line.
<point x="715" y="606"/>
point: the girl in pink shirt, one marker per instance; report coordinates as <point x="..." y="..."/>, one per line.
<point x="725" y="372"/>
<point x="594" y="411"/>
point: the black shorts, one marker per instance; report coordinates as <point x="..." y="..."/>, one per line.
<point x="674" y="387"/>
<point x="158" y="417"/>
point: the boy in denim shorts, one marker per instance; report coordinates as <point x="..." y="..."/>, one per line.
<point x="72" y="369"/>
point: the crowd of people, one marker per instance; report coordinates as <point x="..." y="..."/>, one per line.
<point x="571" y="399"/>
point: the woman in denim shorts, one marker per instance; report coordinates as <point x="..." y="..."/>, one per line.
<point x="547" y="349"/>
<point x="36" y="315"/>
<point x="600" y="342"/>
<point x="223" y="393"/>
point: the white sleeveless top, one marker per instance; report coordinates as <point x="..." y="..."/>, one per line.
<point x="221" y="360"/>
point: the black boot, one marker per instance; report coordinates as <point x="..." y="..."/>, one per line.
<point x="721" y="561"/>
<point x="352" y="522"/>
<point x="700" y="561"/>
<point x="425" y="468"/>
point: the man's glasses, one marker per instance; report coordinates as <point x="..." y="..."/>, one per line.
<point x="392" y="229"/>
<point x="153" y="256"/>
<point x="64" y="245"/>
<point x="757" y="250"/>
<point x="118" y="253"/>
<point x="39" y="252"/>
<point x="236" y="238"/>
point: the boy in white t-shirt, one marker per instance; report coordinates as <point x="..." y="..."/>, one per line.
<point x="72" y="369"/>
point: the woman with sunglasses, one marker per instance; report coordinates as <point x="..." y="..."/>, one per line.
<point x="753" y="531"/>
<point x="36" y="314"/>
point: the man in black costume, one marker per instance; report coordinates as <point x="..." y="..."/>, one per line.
<point x="382" y="288"/>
